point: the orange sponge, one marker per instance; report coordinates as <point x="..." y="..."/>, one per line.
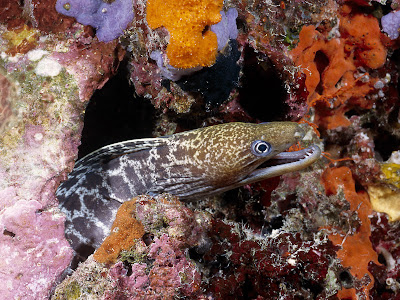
<point x="191" y="43"/>
<point x="331" y="66"/>
<point x="124" y="232"/>
<point x="356" y="248"/>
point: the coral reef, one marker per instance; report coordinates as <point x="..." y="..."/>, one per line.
<point x="42" y="100"/>
<point x="344" y="82"/>
<point x="152" y="71"/>
<point x="328" y="232"/>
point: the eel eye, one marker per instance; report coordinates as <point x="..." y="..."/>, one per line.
<point x="260" y="148"/>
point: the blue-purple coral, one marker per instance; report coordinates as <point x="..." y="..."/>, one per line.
<point x="109" y="19"/>
<point x="391" y="24"/>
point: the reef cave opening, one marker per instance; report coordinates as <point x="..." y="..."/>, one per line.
<point x="261" y="91"/>
<point x="115" y="114"/>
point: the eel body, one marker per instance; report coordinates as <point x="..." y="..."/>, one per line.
<point x="190" y="164"/>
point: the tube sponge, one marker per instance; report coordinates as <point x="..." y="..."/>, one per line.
<point x="109" y="19"/>
<point x="191" y="44"/>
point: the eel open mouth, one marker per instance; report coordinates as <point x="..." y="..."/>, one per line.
<point x="294" y="157"/>
<point x="284" y="162"/>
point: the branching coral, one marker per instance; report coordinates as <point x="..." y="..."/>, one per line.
<point x="191" y="44"/>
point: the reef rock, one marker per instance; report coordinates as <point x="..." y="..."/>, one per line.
<point x="43" y="93"/>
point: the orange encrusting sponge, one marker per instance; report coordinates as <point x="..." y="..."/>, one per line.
<point x="191" y="43"/>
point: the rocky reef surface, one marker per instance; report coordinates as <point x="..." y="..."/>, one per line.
<point x="152" y="68"/>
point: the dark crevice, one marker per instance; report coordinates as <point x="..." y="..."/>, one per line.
<point x="346" y="279"/>
<point x="148" y="238"/>
<point x="9" y="233"/>
<point x="114" y="114"/>
<point x="262" y="93"/>
<point x="322" y="62"/>
<point x="385" y="144"/>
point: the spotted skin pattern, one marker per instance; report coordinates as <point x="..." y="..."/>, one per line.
<point x="190" y="164"/>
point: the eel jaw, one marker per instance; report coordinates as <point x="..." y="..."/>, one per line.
<point x="284" y="162"/>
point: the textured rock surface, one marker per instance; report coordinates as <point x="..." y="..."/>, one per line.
<point x="43" y="95"/>
<point x="156" y="264"/>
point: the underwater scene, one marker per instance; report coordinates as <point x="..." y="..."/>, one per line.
<point x="200" y="149"/>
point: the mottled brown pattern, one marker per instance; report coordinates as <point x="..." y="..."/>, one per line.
<point x="190" y="164"/>
<point x="224" y="155"/>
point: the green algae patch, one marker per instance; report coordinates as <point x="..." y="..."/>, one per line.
<point x="71" y="291"/>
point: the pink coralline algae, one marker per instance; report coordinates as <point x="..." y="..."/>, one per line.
<point x="171" y="274"/>
<point x="42" y="99"/>
<point x="33" y="252"/>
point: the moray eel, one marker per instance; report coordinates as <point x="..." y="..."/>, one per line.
<point x="190" y="164"/>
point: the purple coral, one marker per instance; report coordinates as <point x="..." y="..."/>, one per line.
<point x="109" y="19"/>
<point x="169" y="71"/>
<point x="391" y="24"/>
